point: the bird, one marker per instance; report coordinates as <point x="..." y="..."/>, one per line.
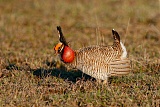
<point x="99" y="62"/>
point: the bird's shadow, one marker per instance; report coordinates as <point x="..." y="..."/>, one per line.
<point x="52" y="70"/>
<point x="72" y="75"/>
<point x="61" y="72"/>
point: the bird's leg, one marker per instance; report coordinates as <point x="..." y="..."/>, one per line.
<point x="99" y="81"/>
<point x="105" y="82"/>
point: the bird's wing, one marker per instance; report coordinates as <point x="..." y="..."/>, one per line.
<point x="120" y="67"/>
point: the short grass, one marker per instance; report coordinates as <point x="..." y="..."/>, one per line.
<point x="31" y="75"/>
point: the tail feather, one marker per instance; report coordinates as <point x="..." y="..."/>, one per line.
<point x="124" y="51"/>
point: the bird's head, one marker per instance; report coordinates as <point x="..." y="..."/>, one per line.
<point x="62" y="48"/>
<point x="58" y="48"/>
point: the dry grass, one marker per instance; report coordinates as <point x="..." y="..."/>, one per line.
<point x="31" y="75"/>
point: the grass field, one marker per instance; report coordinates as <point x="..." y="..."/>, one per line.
<point x="32" y="75"/>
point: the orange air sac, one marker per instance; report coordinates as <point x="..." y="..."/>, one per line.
<point x="68" y="54"/>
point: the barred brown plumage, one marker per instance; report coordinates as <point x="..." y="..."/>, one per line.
<point x="99" y="62"/>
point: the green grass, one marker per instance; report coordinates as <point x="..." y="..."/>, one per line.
<point x="31" y="75"/>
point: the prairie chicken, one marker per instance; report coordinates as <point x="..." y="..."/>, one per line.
<point x="99" y="62"/>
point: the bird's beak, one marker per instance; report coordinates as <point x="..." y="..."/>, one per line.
<point x="57" y="47"/>
<point x="55" y="50"/>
